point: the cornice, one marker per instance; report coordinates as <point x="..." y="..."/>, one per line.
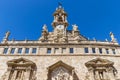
<point x="60" y="55"/>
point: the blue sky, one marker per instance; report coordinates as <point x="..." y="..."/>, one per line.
<point x="25" y="18"/>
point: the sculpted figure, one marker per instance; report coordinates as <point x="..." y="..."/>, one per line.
<point x="75" y="27"/>
<point x="112" y="37"/>
<point x="7" y="34"/>
<point x="45" y="28"/>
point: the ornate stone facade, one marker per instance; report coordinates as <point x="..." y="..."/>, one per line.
<point x="60" y="55"/>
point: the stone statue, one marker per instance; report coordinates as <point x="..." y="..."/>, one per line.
<point x="45" y="28"/>
<point x="7" y="34"/>
<point x="112" y="37"/>
<point x="44" y="33"/>
<point x="75" y="27"/>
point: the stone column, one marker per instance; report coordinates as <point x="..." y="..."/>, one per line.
<point x="97" y="75"/>
<point x="14" y="75"/>
<point x="22" y="75"/>
<point x="27" y="73"/>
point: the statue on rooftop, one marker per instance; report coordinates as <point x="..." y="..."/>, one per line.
<point x="75" y="27"/>
<point x="112" y="37"/>
<point x="7" y="34"/>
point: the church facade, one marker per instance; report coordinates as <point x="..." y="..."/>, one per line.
<point x="60" y="55"/>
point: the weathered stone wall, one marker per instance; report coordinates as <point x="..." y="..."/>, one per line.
<point x="43" y="62"/>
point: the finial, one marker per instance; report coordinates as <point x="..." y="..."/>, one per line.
<point x="106" y="40"/>
<point x="94" y="39"/>
<point x="60" y="4"/>
<point x="88" y="38"/>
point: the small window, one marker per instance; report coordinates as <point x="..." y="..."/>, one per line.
<point x="107" y="51"/>
<point x="63" y="50"/>
<point x="27" y="50"/>
<point x="48" y="50"/>
<point x="100" y="50"/>
<point x="86" y="50"/>
<point x="56" y="50"/>
<point x="93" y="50"/>
<point x="5" y="51"/>
<point x="12" y="50"/>
<point x="19" y="50"/>
<point x="34" y="50"/>
<point x="71" y="50"/>
<point x="113" y="50"/>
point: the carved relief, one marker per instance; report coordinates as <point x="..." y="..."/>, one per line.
<point x="100" y="69"/>
<point x="60" y="71"/>
<point x="20" y="69"/>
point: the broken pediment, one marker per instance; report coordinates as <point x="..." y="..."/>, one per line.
<point x="98" y="62"/>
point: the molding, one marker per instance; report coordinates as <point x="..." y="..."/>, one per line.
<point x="97" y="55"/>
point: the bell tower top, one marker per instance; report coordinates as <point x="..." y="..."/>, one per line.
<point x="60" y="16"/>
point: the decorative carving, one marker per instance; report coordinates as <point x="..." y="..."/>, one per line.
<point x="44" y="33"/>
<point x="20" y="69"/>
<point x="101" y="69"/>
<point x="60" y="71"/>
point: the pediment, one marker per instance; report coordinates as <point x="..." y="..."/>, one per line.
<point x="20" y="62"/>
<point x="60" y="64"/>
<point x="99" y="62"/>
